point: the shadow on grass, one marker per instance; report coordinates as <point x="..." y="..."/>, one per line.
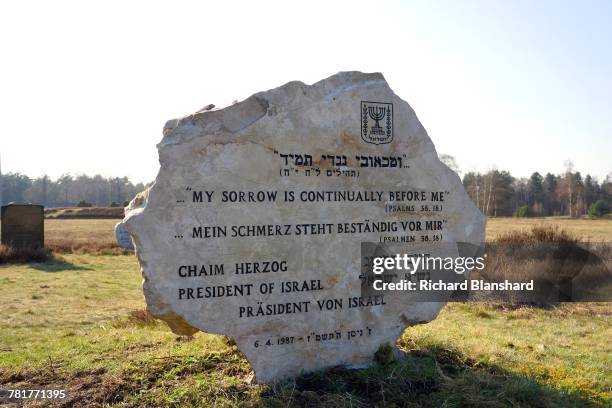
<point x="58" y="265"/>
<point x="432" y="377"/>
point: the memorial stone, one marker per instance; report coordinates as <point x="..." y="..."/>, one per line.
<point x="254" y="226"/>
<point x="124" y="240"/>
<point x="23" y="226"/>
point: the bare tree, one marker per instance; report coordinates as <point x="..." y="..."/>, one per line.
<point x="450" y="161"/>
<point x="569" y="168"/>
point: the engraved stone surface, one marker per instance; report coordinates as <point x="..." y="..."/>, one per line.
<point x="254" y="225"/>
<point x="23" y="226"/>
<point x="122" y="235"/>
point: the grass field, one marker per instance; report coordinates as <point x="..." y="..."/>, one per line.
<point x="79" y="324"/>
<point x="80" y="230"/>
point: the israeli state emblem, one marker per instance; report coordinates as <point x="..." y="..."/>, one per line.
<point x="376" y="122"/>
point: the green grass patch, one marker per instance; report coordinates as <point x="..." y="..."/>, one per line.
<point x="79" y="324"/>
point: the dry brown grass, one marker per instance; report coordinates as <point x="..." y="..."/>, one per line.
<point x="139" y="317"/>
<point x="84" y="388"/>
<point x="561" y="266"/>
<point x="548" y="234"/>
<point x="72" y="246"/>
<point x="585" y="229"/>
<point x="12" y="255"/>
<point x="18" y="255"/>
<point x="84" y="212"/>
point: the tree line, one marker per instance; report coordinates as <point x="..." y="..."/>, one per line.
<point x="495" y="193"/>
<point x="498" y="193"/>
<point x="68" y="190"/>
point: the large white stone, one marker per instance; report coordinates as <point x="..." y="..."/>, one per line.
<point x="266" y="143"/>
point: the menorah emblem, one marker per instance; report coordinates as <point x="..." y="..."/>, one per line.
<point x="377" y="113"/>
<point x="379" y="130"/>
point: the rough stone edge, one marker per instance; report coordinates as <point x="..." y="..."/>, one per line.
<point x="177" y="324"/>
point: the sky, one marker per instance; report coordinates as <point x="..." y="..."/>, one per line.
<point x="86" y="87"/>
